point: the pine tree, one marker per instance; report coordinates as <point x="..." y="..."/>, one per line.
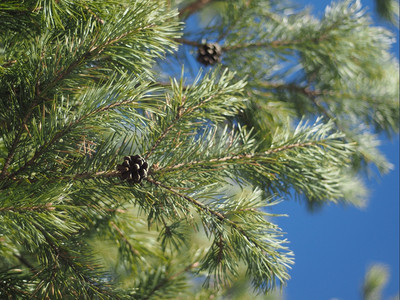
<point x="128" y="172"/>
<point x="375" y="280"/>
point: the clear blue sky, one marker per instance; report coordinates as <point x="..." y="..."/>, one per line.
<point x="334" y="247"/>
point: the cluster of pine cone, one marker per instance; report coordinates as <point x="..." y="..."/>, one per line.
<point x="209" y="54"/>
<point x="134" y="168"/>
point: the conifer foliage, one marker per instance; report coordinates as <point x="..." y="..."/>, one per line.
<point x="127" y="172"/>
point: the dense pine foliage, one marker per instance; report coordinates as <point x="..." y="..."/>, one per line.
<point x="142" y="142"/>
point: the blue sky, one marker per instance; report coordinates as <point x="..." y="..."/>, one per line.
<point x="334" y="247"/>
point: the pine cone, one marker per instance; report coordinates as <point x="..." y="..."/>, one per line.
<point x="209" y="54"/>
<point x="134" y="169"/>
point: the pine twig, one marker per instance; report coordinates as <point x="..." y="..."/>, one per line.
<point x="170" y="278"/>
<point x="272" y="44"/>
<point x="265" y="44"/>
<point x="64" y="131"/>
<point x="312" y="95"/>
<point x="16" y="140"/>
<point x="162" y="136"/>
<point x="25" y="262"/>
<point x="62" y="255"/>
<point x="45" y="207"/>
<point x="196" y="203"/>
<point x="122" y="235"/>
<point x="80" y="176"/>
<point x="93" y="51"/>
<point x="179" y="114"/>
<point x="100" y="20"/>
<point x="236" y="157"/>
<point x="193" y="7"/>
<point x="188" y="42"/>
<point x="202" y="207"/>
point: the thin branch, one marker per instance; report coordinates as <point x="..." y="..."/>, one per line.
<point x="122" y="235"/>
<point x="100" y="20"/>
<point x="87" y="175"/>
<point x="179" y="114"/>
<point x="44" y="207"/>
<point x="272" y="44"/>
<point x="8" y="64"/>
<point x="188" y="42"/>
<point x="94" y="50"/>
<point x="25" y="262"/>
<point x="269" y="44"/>
<point x="170" y="278"/>
<point x="196" y="203"/>
<point x="310" y="94"/>
<point x="204" y="208"/>
<point x="253" y="241"/>
<point x="295" y="88"/>
<point x="193" y="7"/>
<point x="236" y="157"/>
<point x="80" y="176"/>
<point x="64" y="131"/>
<point x="16" y="141"/>
<point x="62" y="254"/>
<point x="162" y="136"/>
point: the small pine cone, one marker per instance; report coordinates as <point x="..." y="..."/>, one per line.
<point x="133" y="169"/>
<point x="209" y="54"/>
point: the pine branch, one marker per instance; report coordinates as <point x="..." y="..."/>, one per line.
<point x="212" y="161"/>
<point x="42" y="149"/>
<point x="193" y="7"/>
<point x="16" y="141"/>
<point x="277" y="44"/>
<point x="164" y="134"/>
<point x="269" y="44"/>
<point x="100" y="20"/>
<point x="249" y="239"/>
<point x="37" y="208"/>
<point x="235" y="157"/>
<point x="272" y="44"/>
<point x="60" y="75"/>
<point x="71" y="83"/>
<point x="205" y="209"/>
<point x="200" y="206"/>
<point x="74" y="177"/>
<point x="167" y="280"/>
<point x="62" y="255"/>
<point x="188" y="42"/>
<point x="295" y="88"/>
<point x="92" y="52"/>
<point x="181" y="112"/>
<point x="312" y="95"/>
<point x="123" y="237"/>
<point x="25" y="262"/>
